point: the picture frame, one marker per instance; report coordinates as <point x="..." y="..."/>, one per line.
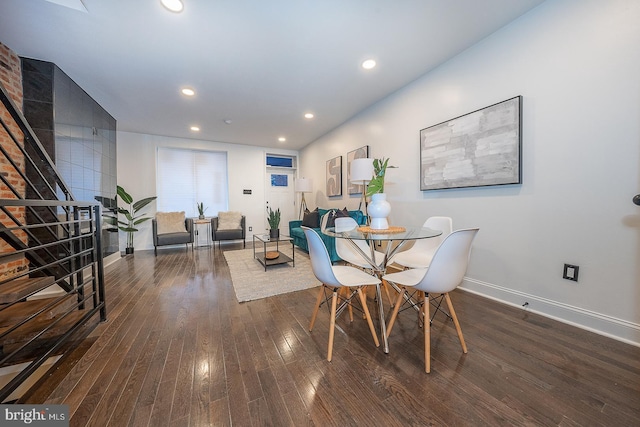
<point x="334" y="177"/>
<point x="358" y="153"/>
<point x="477" y="149"/>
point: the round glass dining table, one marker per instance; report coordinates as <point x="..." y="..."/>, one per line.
<point x="395" y="240"/>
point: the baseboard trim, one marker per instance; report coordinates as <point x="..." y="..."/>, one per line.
<point x="598" y="323"/>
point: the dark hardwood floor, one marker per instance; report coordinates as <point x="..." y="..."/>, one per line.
<point x="179" y="350"/>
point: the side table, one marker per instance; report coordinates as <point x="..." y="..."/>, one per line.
<point x="267" y="258"/>
<point x="206" y="221"/>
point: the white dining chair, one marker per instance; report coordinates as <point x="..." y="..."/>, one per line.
<point x="334" y="278"/>
<point x="421" y="253"/>
<point x="444" y="274"/>
<point x="349" y="253"/>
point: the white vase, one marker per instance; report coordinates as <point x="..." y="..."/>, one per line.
<point x="379" y="210"/>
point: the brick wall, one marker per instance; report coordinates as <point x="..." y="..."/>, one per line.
<point x="11" y="79"/>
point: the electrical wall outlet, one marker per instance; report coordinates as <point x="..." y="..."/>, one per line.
<point x="570" y="272"/>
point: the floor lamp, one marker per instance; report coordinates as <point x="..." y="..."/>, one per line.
<point x="362" y="172"/>
<point x="303" y="185"/>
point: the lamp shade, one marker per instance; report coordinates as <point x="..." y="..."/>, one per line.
<point x="304" y="185"/>
<point x="361" y="170"/>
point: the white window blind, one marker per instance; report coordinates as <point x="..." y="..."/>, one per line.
<point x="187" y="177"/>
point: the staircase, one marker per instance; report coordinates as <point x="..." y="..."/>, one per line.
<point x="51" y="271"/>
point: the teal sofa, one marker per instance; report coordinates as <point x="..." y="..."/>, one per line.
<point x="297" y="234"/>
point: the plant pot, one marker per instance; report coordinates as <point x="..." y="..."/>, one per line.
<point x="128" y="251"/>
<point x="274" y="233"/>
<point x="200" y="216"/>
<point x="379" y="210"/>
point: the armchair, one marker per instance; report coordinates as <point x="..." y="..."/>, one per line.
<point x="228" y="226"/>
<point x="173" y="234"/>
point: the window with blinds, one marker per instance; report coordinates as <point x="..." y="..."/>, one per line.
<point x="188" y="177"/>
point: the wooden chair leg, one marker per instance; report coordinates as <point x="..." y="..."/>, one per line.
<point x="365" y="308"/>
<point x="396" y="308"/>
<point x="427" y="335"/>
<point x="315" y="310"/>
<point x="332" y="326"/>
<point x="455" y="322"/>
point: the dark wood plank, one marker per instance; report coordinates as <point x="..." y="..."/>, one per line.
<point x="178" y="349"/>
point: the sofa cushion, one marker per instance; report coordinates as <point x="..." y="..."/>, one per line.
<point x="170" y="222"/>
<point x="230" y="220"/>
<point x="311" y="219"/>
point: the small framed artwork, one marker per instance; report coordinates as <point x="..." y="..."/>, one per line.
<point x="334" y="177"/>
<point x="477" y="149"/>
<point x="360" y="153"/>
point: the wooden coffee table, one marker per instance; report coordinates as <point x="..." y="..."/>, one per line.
<point x="271" y="255"/>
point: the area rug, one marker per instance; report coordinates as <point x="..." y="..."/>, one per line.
<point x="251" y="282"/>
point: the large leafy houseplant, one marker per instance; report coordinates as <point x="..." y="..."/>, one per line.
<point x="376" y="185"/>
<point x="132" y="217"/>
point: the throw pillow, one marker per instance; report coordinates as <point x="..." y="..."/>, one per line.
<point x="229" y="220"/>
<point x="342" y="213"/>
<point x="336" y="213"/>
<point x="311" y="219"/>
<point x="170" y="222"/>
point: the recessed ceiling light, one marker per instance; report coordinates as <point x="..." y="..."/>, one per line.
<point x="308" y="116"/>
<point x="173" y="5"/>
<point x="195" y="128"/>
<point x="368" y="64"/>
<point x="282" y="139"/>
<point x="188" y="91"/>
<point x="227" y="121"/>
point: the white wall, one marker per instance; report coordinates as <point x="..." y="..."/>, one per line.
<point x="136" y="156"/>
<point x="577" y="66"/>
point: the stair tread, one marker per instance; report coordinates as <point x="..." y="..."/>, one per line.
<point x="22" y="310"/>
<point x="32" y="328"/>
<point x="19" y="288"/>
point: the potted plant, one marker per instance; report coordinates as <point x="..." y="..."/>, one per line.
<point x="274" y="223"/>
<point x="201" y="210"/>
<point x="379" y="208"/>
<point x="376" y="185"/>
<point x="131" y="220"/>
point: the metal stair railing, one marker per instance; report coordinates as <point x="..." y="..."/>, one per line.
<point x="59" y="237"/>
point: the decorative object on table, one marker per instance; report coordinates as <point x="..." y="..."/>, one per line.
<point x="201" y="210"/>
<point x="303" y="185"/>
<point x="379" y="208"/>
<point x="389" y="230"/>
<point x="334" y="177"/>
<point x="361" y="170"/>
<point x="131" y="220"/>
<point x="271" y="255"/>
<point x="477" y="149"/>
<point x="355" y="184"/>
<point x="274" y="223"/>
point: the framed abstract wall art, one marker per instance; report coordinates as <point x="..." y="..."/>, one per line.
<point x="360" y="153"/>
<point x="478" y="149"/>
<point x="334" y="177"/>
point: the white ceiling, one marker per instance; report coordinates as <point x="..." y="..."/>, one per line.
<point x="259" y="63"/>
